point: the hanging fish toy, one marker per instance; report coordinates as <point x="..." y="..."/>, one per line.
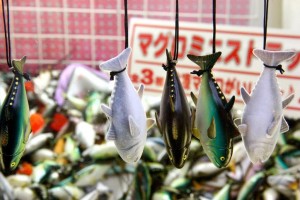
<point x="174" y="121"/>
<point x="263" y="119"/>
<point x="14" y="121"/>
<point x="128" y="127"/>
<point x="213" y="125"/>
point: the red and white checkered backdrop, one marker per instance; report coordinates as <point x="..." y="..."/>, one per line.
<point x="90" y="31"/>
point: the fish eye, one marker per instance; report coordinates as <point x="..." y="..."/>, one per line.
<point x="222" y="158"/>
<point x="13" y="164"/>
<point x="185" y="157"/>
<point x="170" y="158"/>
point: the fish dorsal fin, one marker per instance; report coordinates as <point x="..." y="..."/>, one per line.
<point x="211" y="131"/>
<point x="287" y="101"/>
<point x="141" y="90"/>
<point x="19" y="64"/>
<point x="149" y="122"/>
<point x="111" y="134"/>
<point x="245" y="95"/>
<point x="158" y="122"/>
<point x="273" y="127"/>
<point x="205" y="62"/>
<point x="172" y="105"/>
<point x="194" y="98"/>
<point x="243" y="129"/>
<point x="229" y="105"/>
<point x="273" y="58"/>
<point x="107" y="110"/>
<point x="117" y="63"/>
<point x="284" y="126"/>
<point x="134" y="128"/>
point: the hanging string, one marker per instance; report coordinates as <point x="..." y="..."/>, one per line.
<point x="214" y="26"/>
<point x="175" y="57"/>
<point x="126" y="23"/>
<point x="6" y="25"/>
<point x="266" y="8"/>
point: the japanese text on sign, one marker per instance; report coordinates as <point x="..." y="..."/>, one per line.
<point x="237" y="66"/>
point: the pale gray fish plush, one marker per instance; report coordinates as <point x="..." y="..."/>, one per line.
<point x="263" y="119"/>
<point x="129" y="125"/>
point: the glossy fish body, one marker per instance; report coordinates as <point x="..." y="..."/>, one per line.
<point x="213" y="122"/>
<point x="174" y="120"/>
<point x="263" y="119"/>
<point x="14" y="121"/>
<point x="128" y="127"/>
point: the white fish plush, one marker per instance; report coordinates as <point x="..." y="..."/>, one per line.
<point x="129" y="125"/>
<point x="263" y="119"/>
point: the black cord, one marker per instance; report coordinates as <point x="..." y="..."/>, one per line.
<point x="214" y="26"/>
<point x="7" y="32"/>
<point x="126" y="23"/>
<point x="175" y="57"/>
<point x="266" y="8"/>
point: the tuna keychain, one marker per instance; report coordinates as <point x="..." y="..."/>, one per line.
<point x="213" y="122"/>
<point x="263" y="119"/>
<point x="174" y="121"/>
<point x="129" y="125"/>
<point x="14" y="117"/>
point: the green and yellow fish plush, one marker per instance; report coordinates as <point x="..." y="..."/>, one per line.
<point x="14" y="120"/>
<point x="213" y="124"/>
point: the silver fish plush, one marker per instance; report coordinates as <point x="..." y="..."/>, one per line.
<point x="263" y="118"/>
<point x="129" y="125"/>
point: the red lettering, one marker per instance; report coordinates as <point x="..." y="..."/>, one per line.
<point x="134" y="78"/>
<point x="249" y="53"/>
<point x="163" y="41"/>
<point x="148" y="76"/>
<point x="145" y="41"/>
<point x="230" y="86"/>
<point x="196" y="46"/>
<point x="274" y="46"/>
<point x="295" y="62"/>
<point x="234" y="53"/>
<point x="186" y="81"/>
<point x="159" y="81"/>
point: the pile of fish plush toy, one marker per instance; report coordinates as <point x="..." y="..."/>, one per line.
<point x="78" y="145"/>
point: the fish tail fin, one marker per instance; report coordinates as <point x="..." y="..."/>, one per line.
<point x="205" y="62"/>
<point x="117" y="63"/>
<point x="273" y="58"/>
<point x="18" y="65"/>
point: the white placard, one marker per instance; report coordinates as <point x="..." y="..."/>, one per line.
<point x="237" y="66"/>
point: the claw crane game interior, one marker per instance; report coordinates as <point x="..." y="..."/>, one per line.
<point x="59" y="140"/>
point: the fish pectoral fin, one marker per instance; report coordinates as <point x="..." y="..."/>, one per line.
<point x="172" y="104"/>
<point x="229" y="105"/>
<point x="141" y="91"/>
<point x="158" y="123"/>
<point x="211" y="131"/>
<point x="284" y="126"/>
<point x="150" y="122"/>
<point x="106" y="110"/>
<point x="111" y="134"/>
<point x="287" y="101"/>
<point x="245" y="95"/>
<point x="243" y="129"/>
<point x="237" y="121"/>
<point x="273" y="127"/>
<point x="134" y="128"/>
<point x="196" y="133"/>
<point x="194" y="98"/>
